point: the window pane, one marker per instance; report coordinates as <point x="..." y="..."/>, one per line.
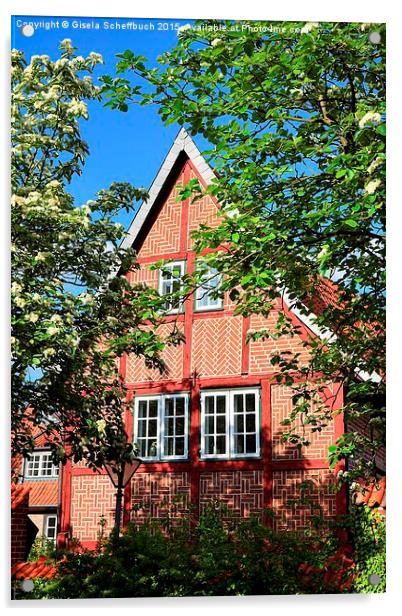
<point x="239" y="444"/>
<point x="169" y="426"/>
<point x="238" y="403"/>
<point x="210" y="425"/>
<point x="250" y="443"/>
<point x="250" y="402"/>
<point x="220" y="424"/>
<point x="209" y="405"/>
<point x="142" y="428"/>
<point x="250" y="422"/>
<point x="142" y="446"/>
<point x="179" y="446"/>
<point x="169" y="406"/>
<point x="169" y="446"/>
<point x="180" y="406"/>
<point x="220" y="444"/>
<point x="153" y="408"/>
<point x="152" y="427"/>
<point x="209" y="444"/>
<point x="239" y="423"/>
<point x="221" y="404"/>
<point x="142" y="408"/>
<point x="180" y="426"/>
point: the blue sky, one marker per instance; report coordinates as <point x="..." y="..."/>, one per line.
<point x="123" y="146"/>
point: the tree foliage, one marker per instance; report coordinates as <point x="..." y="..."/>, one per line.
<point x="73" y="312"/>
<point x="294" y="115"/>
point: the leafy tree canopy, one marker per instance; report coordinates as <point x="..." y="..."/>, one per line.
<point x="294" y="114"/>
<point x="73" y="314"/>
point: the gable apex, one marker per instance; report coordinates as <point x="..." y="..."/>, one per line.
<point x="182" y="144"/>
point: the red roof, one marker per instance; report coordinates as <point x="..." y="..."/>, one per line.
<point x="43" y="493"/>
<point x="372" y="494"/>
<point x="28" y="571"/>
<point x="19" y="492"/>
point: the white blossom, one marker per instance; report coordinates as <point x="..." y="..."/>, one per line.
<point x="216" y="42"/>
<point x="372" y="186"/>
<point x="373" y="166"/>
<point x="52" y="330"/>
<point x="49" y="352"/>
<point x="77" y="107"/>
<point x="20" y="302"/>
<point x="372" y="117"/>
<point x="308" y="27"/>
<point x="96" y="57"/>
<point x="86" y="298"/>
<point x="101" y="425"/>
<point x="32" y="317"/>
<point x="183" y="29"/>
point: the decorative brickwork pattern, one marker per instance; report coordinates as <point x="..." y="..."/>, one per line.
<point x="203" y="211"/>
<point x="19" y="522"/>
<point x="164" y="237"/>
<point x="281" y="405"/>
<point x="286" y="487"/>
<point x="216" y="348"/>
<point x="144" y="276"/>
<point x="137" y="372"/>
<point x="92" y="496"/>
<point x="360" y="425"/>
<point x="240" y="491"/>
<point x="260" y="350"/>
<point x="158" y="495"/>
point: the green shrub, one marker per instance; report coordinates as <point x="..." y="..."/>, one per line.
<point x="368" y="529"/>
<point x="217" y="554"/>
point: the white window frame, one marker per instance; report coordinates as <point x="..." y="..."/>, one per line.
<point x="229" y="394"/>
<point x="41" y="476"/>
<point x="160" y="434"/>
<point x="46" y="529"/>
<point x="218" y="305"/>
<point x="167" y="266"/>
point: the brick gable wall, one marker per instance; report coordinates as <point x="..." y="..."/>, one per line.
<point x="215" y="355"/>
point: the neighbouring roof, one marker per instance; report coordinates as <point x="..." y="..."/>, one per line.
<point x="372" y="494"/>
<point x="43" y="493"/>
<point x="19" y="493"/>
<point x="38" y="569"/>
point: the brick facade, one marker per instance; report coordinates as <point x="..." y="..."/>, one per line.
<point x="214" y="355"/>
<point x="292" y="513"/>
<point x="19" y="523"/>
<point x="92" y="498"/>
<point x="159" y="495"/>
<point x="241" y="491"/>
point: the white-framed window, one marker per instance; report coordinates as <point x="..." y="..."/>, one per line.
<point x="161" y="427"/>
<point x="230" y="423"/>
<point x="40" y="465"/>
<point x="171" y="281"/>
<point x="205" y="294"/>
<point x="50" y="527"/>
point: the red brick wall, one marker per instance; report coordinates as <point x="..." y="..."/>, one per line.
<point x="286" y="487"/>
<point x="281" y="407"/>
<point x="360" y="425"/>
<point x="216" y="346"/>
<point x="240" y="491"/>
<point x="91" y="498"/>
<point x="163" y="238"/>
<point x="260" y="350"/>
<point x="137" y="372"/>
<point x="157" y="493"/>
<point x="19" y="528"/>
<point x="203" y="211"/>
